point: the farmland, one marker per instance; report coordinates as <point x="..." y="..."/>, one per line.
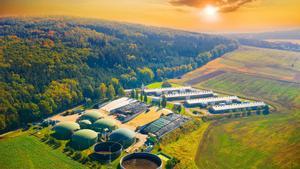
<point x="256" y="142"/>
<point x="259" y="141"/>
<point x="265" y="63"/>
<point x="28" y="152"/>
<point x="283" y="94"/>
<point x="180" y="150"/>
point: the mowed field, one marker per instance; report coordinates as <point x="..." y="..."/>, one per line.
<point x="27" y="152"/>
<point x="266" y="63"/>
<point x="271" y="141"/>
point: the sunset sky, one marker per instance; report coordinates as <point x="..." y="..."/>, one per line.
<point x="194" y="15"/>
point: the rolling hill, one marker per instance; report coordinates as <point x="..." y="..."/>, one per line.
<point x="50" y="64"/>
<point x="257" y="141"/>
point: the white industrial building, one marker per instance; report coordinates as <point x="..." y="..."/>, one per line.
<point x="161" y="91"/>
<point x="117" y="103"/>
<point x="237" y="107"/>
<point x="189" y="95"/>
<point x="203" y="102"/>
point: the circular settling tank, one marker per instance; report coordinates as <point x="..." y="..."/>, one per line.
<point x="107" y="151"/>
<point x="141" y="160"/>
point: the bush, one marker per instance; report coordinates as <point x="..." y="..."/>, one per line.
<point x="166" y="84"/>
<point x="172" y="163"/>
<point x="77" y="156"/>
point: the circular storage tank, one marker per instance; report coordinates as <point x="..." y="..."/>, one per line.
<point x="123" y="136"/>
<point x="83" y="139"/>
<point x="64" y="130"/>
<point x="102" y="124"/>
<point x="107" y="151"/>
<point x="141" y="160"/>
<point x="91" y="116"/>
<point x="85" y="124"/>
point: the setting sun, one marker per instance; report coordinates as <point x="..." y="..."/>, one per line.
<point x="210" y="10"/>
<point x="209" y="13"/>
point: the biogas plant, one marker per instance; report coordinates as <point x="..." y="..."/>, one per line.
<point x="128" y="129"/>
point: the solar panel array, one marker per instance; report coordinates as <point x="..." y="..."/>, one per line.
<point x="165" y="124"/>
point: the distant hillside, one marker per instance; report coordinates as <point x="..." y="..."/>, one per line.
<point x="289" y="34"/>
<point x="283" y="40"/>
<point x="50" y="64"/>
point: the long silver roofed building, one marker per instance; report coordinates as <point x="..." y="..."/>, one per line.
<point x="160" y="91"/>
<point x="203" y="102"/>
<point x="189" y="95"/>
<point x="237" y="107"/>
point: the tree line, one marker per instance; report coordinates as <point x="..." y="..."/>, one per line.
<point x="48" y="65"/>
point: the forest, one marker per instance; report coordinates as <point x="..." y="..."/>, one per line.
<point x="50" y="64"/>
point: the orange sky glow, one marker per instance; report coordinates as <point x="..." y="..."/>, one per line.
<point x="193" y="15"/>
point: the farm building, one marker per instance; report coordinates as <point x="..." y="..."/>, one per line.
<point x="83" y="139"/>
<point x="156" y="100"/>
<point x="64" y="130"/>
<point x="161" y="91"/>
<point x="129" y="111"/>
<point x="189" y="95"/>
<point x="92" y="116"/>
<point x="237" y="107"/>
<point x="85" y="124"/>
<point x="203" y="102"/>
<point x="123" y="136"/>
<point x="164" y="125"/>
<point x="115" y="104"/>
<point x="102" y="124"/>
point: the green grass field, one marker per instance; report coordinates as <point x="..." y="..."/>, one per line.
<point x="269" y="142"/>
<point x="258" y="142"/>
<point x="27" y="152"/>
<point x="158" y="85"/>
<point x="286" y="94"/>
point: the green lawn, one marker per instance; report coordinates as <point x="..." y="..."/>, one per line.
<point x="158" y="85"/>
<point x="27" y="152"/>
<point x="258" y="142"/>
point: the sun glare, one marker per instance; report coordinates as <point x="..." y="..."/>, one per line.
<point x="210" y="10"/>
<point x="209" y="13"/>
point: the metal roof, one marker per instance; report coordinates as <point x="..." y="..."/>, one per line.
<point x="186" y="94"/>
<point x="118" y="103"/>
<point x="238" y="106"/>
<point x="211" y="99"/>
<point x="168" y="89"/>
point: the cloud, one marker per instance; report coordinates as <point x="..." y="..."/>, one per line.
<point x="223" y="5"/>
